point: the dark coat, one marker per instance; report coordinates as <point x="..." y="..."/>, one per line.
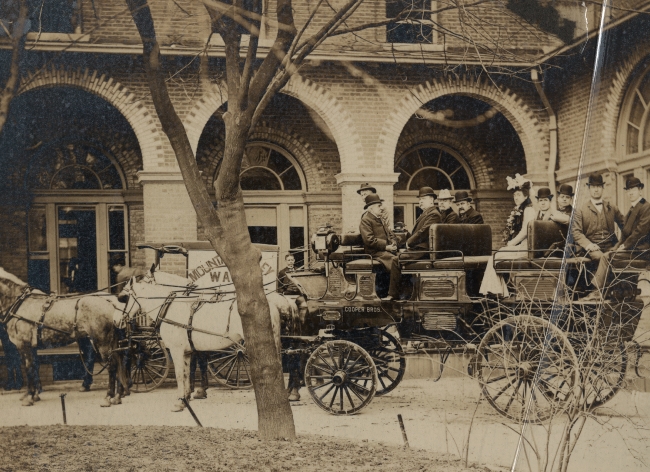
<point x="471" y="217"/>
<point x="585" y="219"/>
<point x="285" y="285"/>
<point x="449" y="217"/>
<point x="375" y="237"/>
<point x="420" y="237"/>
<point x="636" y="228"/>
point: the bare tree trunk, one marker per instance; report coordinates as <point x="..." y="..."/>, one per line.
<point x="18" y="35"/>
<point x="227" y="231"/>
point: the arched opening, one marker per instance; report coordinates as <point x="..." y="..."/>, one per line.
<point x="285" y="160"/>
<point x="633" y="137"/>
<point x="69" y="157"/>
<point x="457" y="142"/>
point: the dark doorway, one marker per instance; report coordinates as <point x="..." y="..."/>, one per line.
<point x="77" y="249"/>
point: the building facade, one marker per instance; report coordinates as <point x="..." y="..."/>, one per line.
<point x="88" y="172"/>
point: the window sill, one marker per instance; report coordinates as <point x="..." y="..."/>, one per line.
<point x="412" y="47"/>
<point x="58" y="37"/>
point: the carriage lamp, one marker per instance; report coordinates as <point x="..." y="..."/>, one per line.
<point x="325" y="241"/>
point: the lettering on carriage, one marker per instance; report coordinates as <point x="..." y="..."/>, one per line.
<point x="206" y="268"/>
<point x="362" y="309"/>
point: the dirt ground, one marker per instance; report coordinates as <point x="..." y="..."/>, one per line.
<point x="135" y="448"/>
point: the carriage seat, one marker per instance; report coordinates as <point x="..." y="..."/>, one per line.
<point x="351" y="245"/>
<point x="473" y="241"/>
<point x="541" y="236"/>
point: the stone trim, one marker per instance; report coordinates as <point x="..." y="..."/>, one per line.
<point x="531" y="132"/>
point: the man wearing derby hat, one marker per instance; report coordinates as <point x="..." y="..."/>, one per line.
<point x="544" y="197"/>
<point x="447" y="213"/>
<point x="468" y="215"/>
<point x="418" y="241"/>
<point x="376" y="236"/>
<point x="366" y="189"/>
<point x="635" y="234"/>
<point x="564" y="207"/>
<point x="594" y="224"/>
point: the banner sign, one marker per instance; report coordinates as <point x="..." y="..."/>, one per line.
<point x="206" y="269"/>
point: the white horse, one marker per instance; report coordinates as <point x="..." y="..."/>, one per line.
<point x="215" y="321"/>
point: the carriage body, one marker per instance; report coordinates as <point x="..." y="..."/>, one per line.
<point x="572" y="349"/>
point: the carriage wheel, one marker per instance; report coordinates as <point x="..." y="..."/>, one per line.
<point x="390" y="361"/>
<point x="149" y="364"/>
<point x="527" y="369"/>
<point x="341" y="377"/>
<point x="231" y="367"/>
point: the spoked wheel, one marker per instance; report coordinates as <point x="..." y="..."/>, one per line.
<point x="390" y="361"/>
<point x="341" y="377"/>
<point x="231" y="367"/>
<point x="527" y="369"/>
<point x="149" y="363"/>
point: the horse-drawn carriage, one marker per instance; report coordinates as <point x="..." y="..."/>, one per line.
<point x="535" y="353"/>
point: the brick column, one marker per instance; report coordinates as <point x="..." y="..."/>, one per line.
<point x="169" y="216"/>
<point x="352" y="203"/>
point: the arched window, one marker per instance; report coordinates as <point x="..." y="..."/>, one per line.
<point x="432" y="165"/>
<point x="73" y="166"/>
<point x="266" y="167"/>
<point x="637" y="122"/>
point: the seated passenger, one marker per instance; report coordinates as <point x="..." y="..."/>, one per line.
<point x="286" y="286"/>
<point x="561" y="216"/>
<point x="447" y="213"/>
<point x="635" y="235"/>
<point x="418" y="241"/>
<point x="376" y="235"/>
<point x="544" y="198"/>
<point x="515" y="235"/>
<point x="468" y="215"/>
<point x="367" y="189"/>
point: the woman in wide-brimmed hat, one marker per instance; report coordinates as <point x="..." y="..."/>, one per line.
<point x="515" y="236"/>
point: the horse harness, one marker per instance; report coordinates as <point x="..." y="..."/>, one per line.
<point x="12" y="312"/>
<point x="196" y="306"/>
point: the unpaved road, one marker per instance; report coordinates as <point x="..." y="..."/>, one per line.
<point x="438" y="417"/>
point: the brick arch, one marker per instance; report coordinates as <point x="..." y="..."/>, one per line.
<point x="312" y="168"/>
<point x="132" y="108"/>
<point x="475" y="158"/>
<point x="624" y="75"/>
<point x="314" y="96"/>
<point x="507" y="102"/>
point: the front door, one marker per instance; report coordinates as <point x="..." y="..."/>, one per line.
<point x="77" y="248"/>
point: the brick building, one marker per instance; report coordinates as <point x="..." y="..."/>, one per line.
<point x="87" y="172"/>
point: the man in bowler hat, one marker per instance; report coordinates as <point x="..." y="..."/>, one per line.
<point x="594" y="224"/>
<point x="447" y="213"/>
<point x="367" y="189"/>
<point x="376" y="236"/>
<point x="635" y="235"/>
<point x="468" y="215"/>
<point x="418" y="241"/>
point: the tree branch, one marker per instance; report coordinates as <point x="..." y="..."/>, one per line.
<point x="18" y="36"/>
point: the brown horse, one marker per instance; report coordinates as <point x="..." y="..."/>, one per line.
<point x="34" y="319"/>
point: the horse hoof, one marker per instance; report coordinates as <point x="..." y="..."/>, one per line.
<point x="28" y="401"/>
<point x="106" y="403"/>
<point x="83" y="388"/>
<point x="294" y="395"/>
<point x="178" y="407"/>
<point x="200" y="394"/>
<point x="37" y="398"/>
<point x="116" y="400"/>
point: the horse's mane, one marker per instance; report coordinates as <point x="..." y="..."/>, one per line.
<point x="7" y="277"/>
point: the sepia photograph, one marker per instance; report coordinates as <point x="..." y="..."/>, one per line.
<point x="325" y="235"/>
